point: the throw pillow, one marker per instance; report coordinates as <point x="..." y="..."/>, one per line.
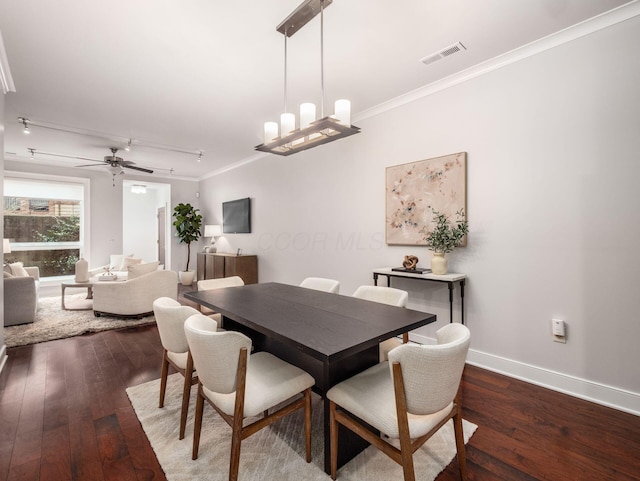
<point x="7" y="275"/>
<point x="115" y="261"/>
<point x="17" y="269"/>
<point x="138" y="270"/>
<point x="128" y="261"/>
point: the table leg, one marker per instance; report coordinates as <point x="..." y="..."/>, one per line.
<point x="462" y="300"/>
<point x="450" y="284"/>
<point x="62" y="298"/>
<point x="90" y="292"/>
<point x="375" y="278"/>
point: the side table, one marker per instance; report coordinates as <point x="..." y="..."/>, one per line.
<point x="80" y="305"/>
<point x="450" y="279"/>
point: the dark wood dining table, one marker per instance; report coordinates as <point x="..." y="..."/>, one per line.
<point x="330" y="336"/>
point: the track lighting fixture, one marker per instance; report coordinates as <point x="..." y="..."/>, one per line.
<point x="25" y="124"/>
<point x="32" y="152"/>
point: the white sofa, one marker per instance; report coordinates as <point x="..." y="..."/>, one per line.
<point x="134" y="297"/>
<point x="118" y="265"/>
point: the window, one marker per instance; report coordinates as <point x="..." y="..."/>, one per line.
<point x="44" y="219"/>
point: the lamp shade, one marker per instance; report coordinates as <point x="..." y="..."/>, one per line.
<point x="212" y="230"/>
<point x="6" y="246"/>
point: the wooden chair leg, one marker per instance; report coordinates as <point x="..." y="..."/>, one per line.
<point x="405" y="337"/>
<point x="186" y="394"/>
<point x="197" y="424"/>
<point x="236" y="443"/>
<point x="307" y="422"/>
<point x="406" y="453"/>
<point x="163" y="377"/>
<point x="459" y="434"/>
<point x="333" y="433"/>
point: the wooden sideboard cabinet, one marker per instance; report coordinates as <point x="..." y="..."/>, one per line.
<point x="220" y="264"/>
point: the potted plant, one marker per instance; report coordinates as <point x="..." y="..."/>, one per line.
<point x="444" y="238"/>
<point x="188" y="222"/>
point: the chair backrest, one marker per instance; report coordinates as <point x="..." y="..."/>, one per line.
<point x="215" y="354"/>
<point x="432" y="373"/>
<point x="321" y="284"/>
<point x="385" y="295"/>
<point x="208" y="284"/>
<point x="170" y="316"/>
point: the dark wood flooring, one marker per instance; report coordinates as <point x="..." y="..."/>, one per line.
<point x="64" y="415"/>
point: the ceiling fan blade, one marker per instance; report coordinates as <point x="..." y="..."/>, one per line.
<point x="90" y="165"/>
<point x="67" y="156"/>
<point x="141" y="169"/>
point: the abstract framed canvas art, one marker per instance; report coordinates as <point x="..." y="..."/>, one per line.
<point x="415" y="189"/>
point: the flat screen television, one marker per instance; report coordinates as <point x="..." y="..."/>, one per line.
<point x="236" y="216"/>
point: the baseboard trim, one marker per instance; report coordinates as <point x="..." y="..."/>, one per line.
<point x="598" y="393"/>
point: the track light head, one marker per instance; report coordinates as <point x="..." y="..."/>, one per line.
<point x="200" y="156"/>
<point x="25" y="125"/>
<point x="128" y="147"/>
<point x="32" y="153"/>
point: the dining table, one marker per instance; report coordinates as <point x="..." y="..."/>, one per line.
<point x="330" y="336"/>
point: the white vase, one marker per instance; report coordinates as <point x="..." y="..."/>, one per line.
<point x="186" y="277"/>
<point x="82" y="270"/>
<point x="438" y="263"/>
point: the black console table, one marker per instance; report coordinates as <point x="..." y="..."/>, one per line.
<point x="450" y="279"/>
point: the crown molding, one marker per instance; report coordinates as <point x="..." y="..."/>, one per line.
<point x="6" y="81"/>
<point x="587" y="27"/>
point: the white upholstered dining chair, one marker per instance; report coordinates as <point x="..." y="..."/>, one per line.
<point x="240" y="386"/>
<point x="385" y="295"/>
<point x="321" y="284"/>
<point x="220" y="283"/>
<point x="409" y="398"/>
<point x="170" y="316"/>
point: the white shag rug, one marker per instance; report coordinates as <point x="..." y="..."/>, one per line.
<point x="54" y="323"/>
<point x="273" y="453"/>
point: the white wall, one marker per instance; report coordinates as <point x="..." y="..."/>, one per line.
<point x="552" y="144"/>
<point x="3" y="355"/>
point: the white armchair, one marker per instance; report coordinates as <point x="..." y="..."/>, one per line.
<point x="133" y="297"/>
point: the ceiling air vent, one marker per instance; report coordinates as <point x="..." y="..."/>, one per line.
<point x="445" y="52"/>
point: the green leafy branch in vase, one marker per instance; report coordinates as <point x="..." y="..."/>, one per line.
<point x="446" y="237"/>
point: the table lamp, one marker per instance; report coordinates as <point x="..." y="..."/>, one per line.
<point x="212" y="231"/>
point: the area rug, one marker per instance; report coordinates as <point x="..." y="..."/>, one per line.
<point x="54" y="323"/>
<point x="274" y="453"/>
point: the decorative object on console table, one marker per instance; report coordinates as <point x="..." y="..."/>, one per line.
<point x="212" y="231"/>
<point x="444" y="238"/>
<point x="409" y="265"/>
<point x="220" y="264"/>
<point x="188" y="222"/>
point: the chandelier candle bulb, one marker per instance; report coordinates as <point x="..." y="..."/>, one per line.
<point x="287" y="124"/>
<point x="343" y="111"/>
<point x="270" y="131"/>
<point x="307" y="114"/>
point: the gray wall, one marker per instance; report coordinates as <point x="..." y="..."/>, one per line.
<point x="552" y="143"/>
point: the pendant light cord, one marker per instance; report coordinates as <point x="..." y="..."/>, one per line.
<point x="285" y="72"/>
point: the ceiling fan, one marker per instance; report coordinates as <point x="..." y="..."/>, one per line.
<point x="116" y="163"/>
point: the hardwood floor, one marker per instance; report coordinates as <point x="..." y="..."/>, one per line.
<point x="64" y="415"/>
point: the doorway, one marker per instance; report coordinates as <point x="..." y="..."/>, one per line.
<point x="144" y="232"/>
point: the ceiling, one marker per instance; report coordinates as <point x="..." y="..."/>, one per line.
<point x="201" y="75"/>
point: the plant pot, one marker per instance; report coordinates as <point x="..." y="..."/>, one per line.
<point x="186" y="277"/>
<point x="438" y="263"/>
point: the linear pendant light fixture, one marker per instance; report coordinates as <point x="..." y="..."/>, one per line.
<point x="311" y="132"/>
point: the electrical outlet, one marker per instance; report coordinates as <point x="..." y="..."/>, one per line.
<point x="558" y="329"/>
